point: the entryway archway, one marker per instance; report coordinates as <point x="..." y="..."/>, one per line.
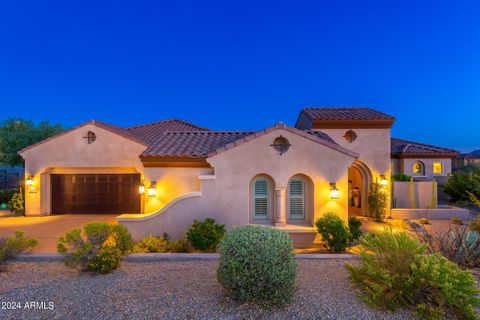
<point x="359" y="180"/>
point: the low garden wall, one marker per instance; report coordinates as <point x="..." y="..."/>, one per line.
<point x="423" y="191"/>
<point x="445" y="213"/>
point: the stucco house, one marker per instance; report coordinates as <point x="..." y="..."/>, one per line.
<point x="159" y="177"/>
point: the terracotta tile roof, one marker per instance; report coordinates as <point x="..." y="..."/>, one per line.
<point x="472" y="155"/>
<point x="150" y="131"/>
<point x="345" y="113"/>
<point x="203" y="144"/>
<point x="318" y="137"/>
<point x="400" y="147"/>
<point x="193" y="144"/>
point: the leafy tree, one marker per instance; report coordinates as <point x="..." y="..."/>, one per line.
<point x="17" y="133"/>
<point x="464" y="184"/>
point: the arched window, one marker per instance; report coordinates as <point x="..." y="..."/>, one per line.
<point x="418" y="168"/>
<point x="262" y="199"/>
<point x="296" y="194"/>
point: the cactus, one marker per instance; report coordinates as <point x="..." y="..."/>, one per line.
<point x="433" y="203"/>
<point x="412" y="194"/>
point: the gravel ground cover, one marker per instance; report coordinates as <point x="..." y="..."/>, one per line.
<point x="172" y="290"/>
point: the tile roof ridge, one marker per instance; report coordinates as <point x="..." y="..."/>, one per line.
<point x="165" y="121"/>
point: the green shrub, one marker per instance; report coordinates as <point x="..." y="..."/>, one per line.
<point x="205" y="235"/>
<point x="394" y="272"/>
<point x="377" y="201"/>
<point x="16" y="204"/>
<point x="151" y="244"/>
<point x="443" y="290"/>
<point x="10" y="247"/>
<point x="99" y="250"/>
<point x="456" y="221"/>
<point x="179" y="246"/>
<point x="464" y="184"/>
<point x="475" y="224"/>
<point x="401" y="177"/>
<point x="257" y="264"/>
<point x="354" y="225"/>
<point x="334" y="232"/>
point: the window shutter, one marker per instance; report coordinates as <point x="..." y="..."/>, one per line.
<point x="297" y="199"/>
<point x="260" y="195"/>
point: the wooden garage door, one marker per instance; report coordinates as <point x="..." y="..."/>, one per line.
<point x="95" y="193"/>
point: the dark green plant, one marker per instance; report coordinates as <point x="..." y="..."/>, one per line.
<point x="334" y="232"/>
<point x="179" y="246"/>
<point x="354" y="225"/>
<point x="6" y="195"/>
<point x="456" y="221"/>
<point x="464" y="184"/>
<point x="205" y="235"/>
<point x="16" y="134"/>
<point x="99" y="249"/>
<point x="442" y="290"/>
<point x="456" y="244"/>
<point x="401" y="177"/>
<point x="395" y="272"/>
<point x="377" y="201"/>
<point x="10" y="247"/>
<point x="257" y="265"/>
<point x="17" y="203"/>
<point x="151" y="244"/>
<point x="475" y="224"/>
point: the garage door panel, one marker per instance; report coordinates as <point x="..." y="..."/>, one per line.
<point x="95" y="193"/>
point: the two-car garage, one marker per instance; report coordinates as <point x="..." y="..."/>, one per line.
<point x="95" y="193"/>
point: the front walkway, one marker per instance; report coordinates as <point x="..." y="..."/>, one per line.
<point x="47" y="229"/>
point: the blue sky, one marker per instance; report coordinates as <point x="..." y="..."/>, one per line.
<point x="244" y="64"/>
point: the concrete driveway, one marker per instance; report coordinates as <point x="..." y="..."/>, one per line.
<point x="48" y="229"/>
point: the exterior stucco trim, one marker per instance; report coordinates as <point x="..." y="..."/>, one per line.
<point x="282" y="126"/>
<point x="148" y="216"/>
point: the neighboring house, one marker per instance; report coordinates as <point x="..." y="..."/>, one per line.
<point x="467" y="158"/>
<point x="163" y="175"/>
<point x="422" y="161"/>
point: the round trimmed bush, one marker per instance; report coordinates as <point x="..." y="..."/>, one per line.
<point x="334" y="232"/>
<point x="257" y="264"/>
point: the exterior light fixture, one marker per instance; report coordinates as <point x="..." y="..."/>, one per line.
<point x="141" y="188"/>
<point x="383" y="180"/>
<point x="29" y="181"/>
<point x="333" y="190"/>
<point x="152" y="190"/>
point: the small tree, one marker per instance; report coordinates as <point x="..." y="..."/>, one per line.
<point x="16" y="204"/>
<point x="377" y="201"/>
<point x="16" y="134"/>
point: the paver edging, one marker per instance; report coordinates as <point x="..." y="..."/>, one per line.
<point x="147" y="257"/>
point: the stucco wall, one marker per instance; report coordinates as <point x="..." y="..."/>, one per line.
<point x="70" y="153"/>
<point x="171" y="183"/>
<point x="373" y="145"/>
<point x="422" y="191"/>
<point x="226" y="198"/>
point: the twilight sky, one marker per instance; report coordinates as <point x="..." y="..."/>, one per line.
<point x="244" y="64"/>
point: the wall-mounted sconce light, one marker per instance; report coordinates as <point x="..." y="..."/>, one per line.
<point x="141" y="187"/>
<point x="29" y="181"/>
<point x="152" y="190"/>
<point x="333" y="190"/>
<point x="383" y="180"/>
